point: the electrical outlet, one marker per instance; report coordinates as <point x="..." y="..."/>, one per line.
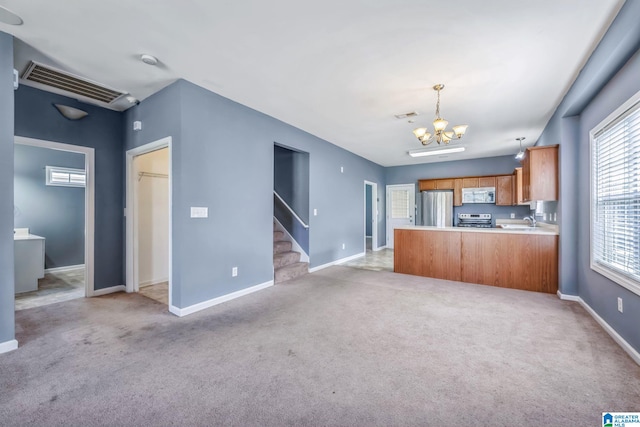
<point x="341" y="169"/>
<point x="234" y="271"/>
<point x="344" y="246"/>
<point x="513" y="215"/>
<point x="620" y="305"/>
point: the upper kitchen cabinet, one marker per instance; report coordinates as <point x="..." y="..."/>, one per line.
<point x="487" y="181"/>
<point x="436" y="184"/>
<point x="504" y="190"/>
<point x="540" y="174"/>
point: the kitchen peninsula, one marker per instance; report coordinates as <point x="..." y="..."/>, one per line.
<point x="518" y="258"/>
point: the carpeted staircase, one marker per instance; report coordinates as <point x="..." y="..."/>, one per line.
<point x="286" y="263"/>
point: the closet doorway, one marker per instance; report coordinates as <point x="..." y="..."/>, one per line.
<point x="149" y="221"/>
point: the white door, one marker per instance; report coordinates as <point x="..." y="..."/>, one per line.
<point x="401" y="208"/>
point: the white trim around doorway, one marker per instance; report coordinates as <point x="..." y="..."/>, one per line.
<point x="132" y="280"/>
<point x="374" y="215"/>
<point x="89" y="200"/>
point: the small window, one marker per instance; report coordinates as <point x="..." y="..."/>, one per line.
<point x="615" y="196"/>
<point x="66" y="177"/>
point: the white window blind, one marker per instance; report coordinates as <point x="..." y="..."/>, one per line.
<point x="66" y="177"/>
<point x="399" y="204"/>
<point x="615" y="188"/>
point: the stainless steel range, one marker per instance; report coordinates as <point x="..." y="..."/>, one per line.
<point x="474" y="220"/>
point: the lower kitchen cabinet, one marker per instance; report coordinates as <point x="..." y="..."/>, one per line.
<point x="524" y="261"/>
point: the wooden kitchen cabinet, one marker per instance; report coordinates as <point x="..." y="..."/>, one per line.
<point x="487" y="181"/>
<point x="427" y="184"/>
<point x="436" y="184"/>
<point x="457" y="192"/>
<point x="540" y="173"/>
<point x="470" y="182"/>
<point x="444" y="184"/>
<point x="504" y="190"/>
<point x="517" y="187"/>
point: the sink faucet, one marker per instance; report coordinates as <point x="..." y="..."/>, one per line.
<point x="531" y="219"/>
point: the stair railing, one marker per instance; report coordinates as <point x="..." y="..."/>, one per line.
<point x="291" y="210"/>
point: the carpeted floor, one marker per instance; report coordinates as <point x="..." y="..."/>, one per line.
<point x="341" y="346"/>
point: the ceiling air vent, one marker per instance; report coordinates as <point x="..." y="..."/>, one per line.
<point x="406" y="115"/>
<point x="69" y="83"/>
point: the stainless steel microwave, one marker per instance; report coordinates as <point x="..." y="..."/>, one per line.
<point x="479" y="195"/>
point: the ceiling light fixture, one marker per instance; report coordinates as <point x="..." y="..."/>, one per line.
<point x="520" y="154"/>
<point x="423" y="153"/>
<point x="440" y="135"/>
<point x="149" y="59"/>
<point x="70" y="112"/>
<point x="9" y="17"/>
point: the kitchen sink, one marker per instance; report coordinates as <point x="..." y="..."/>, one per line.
<point x="517" y="226"/>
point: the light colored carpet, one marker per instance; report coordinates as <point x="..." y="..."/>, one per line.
<point x="341" y="346"/>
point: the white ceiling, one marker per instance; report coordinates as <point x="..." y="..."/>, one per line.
<point x="337" y="69"/>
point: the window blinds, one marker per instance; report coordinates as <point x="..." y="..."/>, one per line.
<point x="399" y="204"/>
<point x="615" y="215"/>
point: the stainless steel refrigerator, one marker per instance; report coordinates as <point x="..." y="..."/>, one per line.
<point x="437" y="208"/>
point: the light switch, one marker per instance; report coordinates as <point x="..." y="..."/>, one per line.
<point x="137" y="125"/>
<point x="315" y="212"/>
<point x="199" y="212"/>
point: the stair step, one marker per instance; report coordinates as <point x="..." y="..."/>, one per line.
<point x="290" y="271"/>
<point x="285" y="258"/>
<point x="281" y="246"/>
<point x="278" y="235"/>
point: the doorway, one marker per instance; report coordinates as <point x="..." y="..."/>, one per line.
<point x="148" y="220"/>
<point x="53" y="209"/>
<point x="370" y="216"/>
<point x="401" y="208"/>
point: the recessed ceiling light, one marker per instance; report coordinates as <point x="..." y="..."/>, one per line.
<point x="149" y="59"/>
<point x="423" y="153"/>
<point x="9" y="17"/>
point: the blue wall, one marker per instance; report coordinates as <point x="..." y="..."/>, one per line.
<point x="216" y="163"/>
<point x="53" y="212"/>
<point x="474" y="167"/>
<point x="36" y="117"/>
<point x="608" y="79"/>
<point x="7" y="319"/>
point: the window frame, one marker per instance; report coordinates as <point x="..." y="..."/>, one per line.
<point x="50" y="170"/>
<point x="623" y="280"/>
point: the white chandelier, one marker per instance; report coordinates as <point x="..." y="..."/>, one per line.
<point x="440" y="134"/>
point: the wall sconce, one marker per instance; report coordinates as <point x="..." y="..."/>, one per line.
<point x="70" y="112"/>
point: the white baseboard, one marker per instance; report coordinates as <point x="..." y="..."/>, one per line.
<point x="632" y="352"/>
<point x="339" y="261"/>
<point x="66" y="268"/>
<point x="153" y="282"/>
<point x="566" y="297"/>
<point x="8" y="346"/>
<point x="180" y="312"/>
<point x="105" y="291"/>
<point x="379" y="248"/>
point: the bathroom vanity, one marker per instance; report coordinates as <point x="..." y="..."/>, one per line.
<point x="28" y="261"/>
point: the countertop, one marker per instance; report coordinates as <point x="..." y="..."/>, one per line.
<point x="27" y="237"/>
<point x="541" y="229"/>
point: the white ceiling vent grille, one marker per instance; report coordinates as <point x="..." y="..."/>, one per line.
<point x="67" y="82"/>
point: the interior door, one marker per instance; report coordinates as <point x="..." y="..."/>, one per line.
<point x="401" y="208"/>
